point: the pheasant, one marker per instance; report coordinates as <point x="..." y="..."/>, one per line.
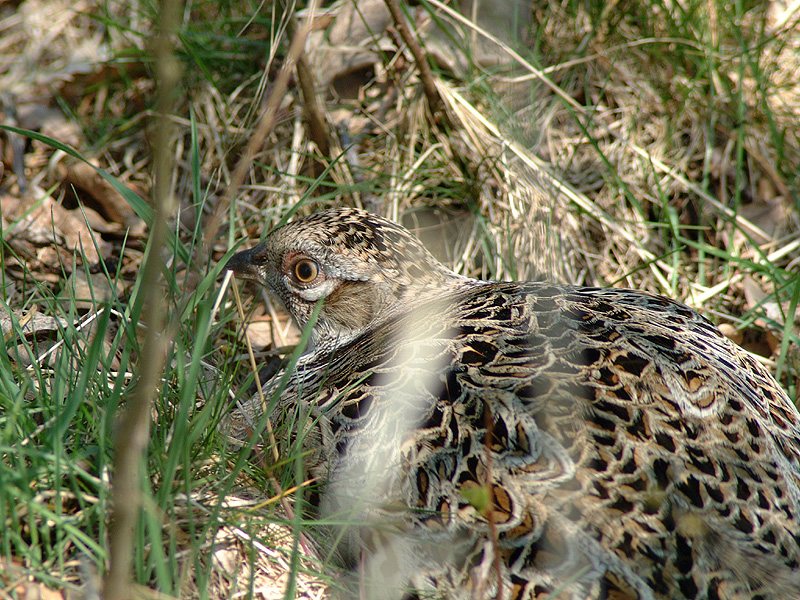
<point x="526" y="440"/>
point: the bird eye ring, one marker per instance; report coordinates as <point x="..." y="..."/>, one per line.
<point x="305" y="270"/>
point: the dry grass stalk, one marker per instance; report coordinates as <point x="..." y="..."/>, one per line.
<point x="133" y="434"/>
<point x="317" y="125"/>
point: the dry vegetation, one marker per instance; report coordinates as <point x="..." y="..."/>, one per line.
<point x="646" y="145"/>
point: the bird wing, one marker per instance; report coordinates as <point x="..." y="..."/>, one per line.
<point x="609" y="433"/>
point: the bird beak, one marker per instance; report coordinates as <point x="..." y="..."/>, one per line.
<point x="244" y="264"/>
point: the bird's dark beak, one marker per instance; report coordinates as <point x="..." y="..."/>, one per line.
<point x="244" y="264"/>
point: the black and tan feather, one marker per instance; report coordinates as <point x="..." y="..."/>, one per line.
<point x="595" y="443"/>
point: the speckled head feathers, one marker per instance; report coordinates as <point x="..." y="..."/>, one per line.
<point x="362" y="265"/>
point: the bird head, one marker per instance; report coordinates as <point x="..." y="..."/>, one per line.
<point x="363" y="267"/>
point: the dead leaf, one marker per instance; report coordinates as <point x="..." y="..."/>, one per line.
<point x="116" y="209"/>
<point x="86" y="292"/>
<point x="260" y="333"/>
<point x="772" y="215"/>
<point x="732" y="333"/>
<point x="503" y="20"/>
<point x="14" y="578"/>
<point x="40" y="332"/>
<point x="753" y="293"/>
<point x="50" y="122"/>
<point x="777" y="314"/>
<point x="99" y="224"/>
<point x="349" y="53"/>
<point x="756" y="297"/>
<point x="352" y="43"/>
<point x="31" y="324"/>
<point x="39" y="221"/>
<point x="31" y="590"/>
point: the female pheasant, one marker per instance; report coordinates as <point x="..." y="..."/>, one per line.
<point x="527" y="440"/>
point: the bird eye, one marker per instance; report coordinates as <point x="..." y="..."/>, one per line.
<point x="305" y="270"/>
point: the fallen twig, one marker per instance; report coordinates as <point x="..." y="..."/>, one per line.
<point x="425" y="74"/>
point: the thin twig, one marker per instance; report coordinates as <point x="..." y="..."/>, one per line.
<point x="317" y="126"/>
<point x="425" y="74"/>
<point x="133" y="434"/>
<point x="265" y="125"/>
<point x="318" y="129"/>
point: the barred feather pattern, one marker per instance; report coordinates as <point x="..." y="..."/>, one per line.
<point x="592" y="443"/>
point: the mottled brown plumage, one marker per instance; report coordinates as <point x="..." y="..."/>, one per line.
<point x="596" y="443"/>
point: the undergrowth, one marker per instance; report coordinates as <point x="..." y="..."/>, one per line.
<point x="641" y="144"/>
